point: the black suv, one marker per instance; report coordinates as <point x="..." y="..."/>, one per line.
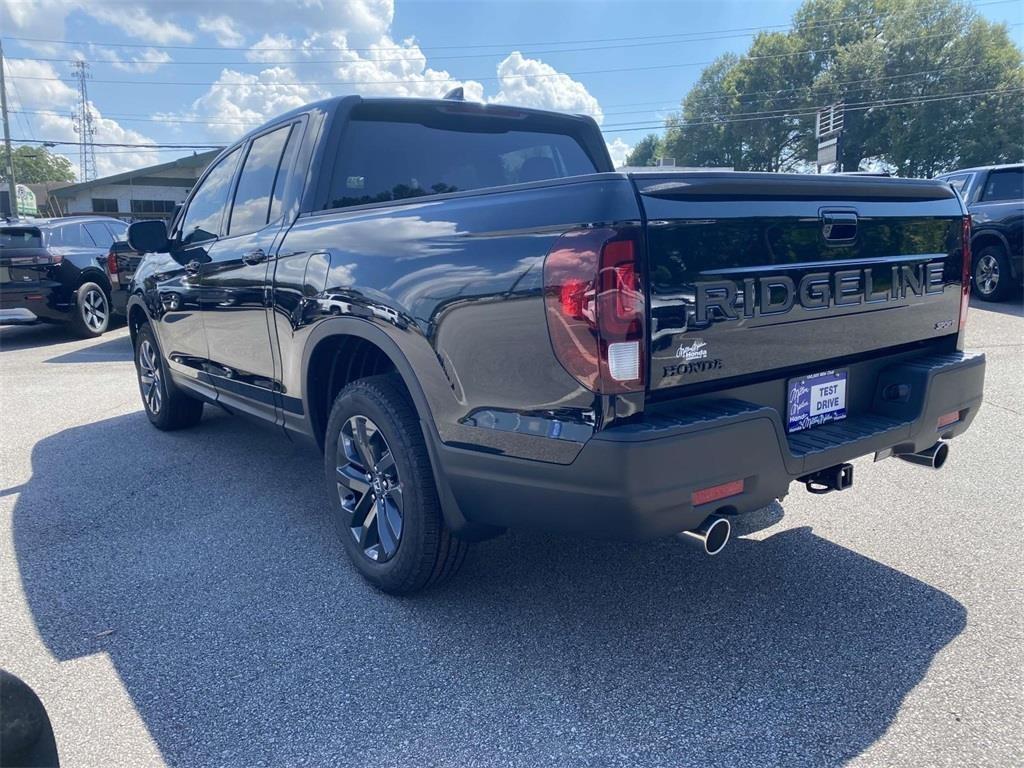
<point x="71" y="270"/>
<point x="995" y="198"/>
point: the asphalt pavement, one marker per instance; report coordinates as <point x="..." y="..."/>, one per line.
<point x="181" y="599"/>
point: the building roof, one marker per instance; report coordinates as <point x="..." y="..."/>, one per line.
<point x="199" y="161"/>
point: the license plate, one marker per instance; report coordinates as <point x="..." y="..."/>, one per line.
<point x="816" y="400"/>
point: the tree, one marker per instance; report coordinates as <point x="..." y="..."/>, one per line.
<point x="928" y="86"/>
<point x="646" y="152"/>
<point x="33" y="165"/>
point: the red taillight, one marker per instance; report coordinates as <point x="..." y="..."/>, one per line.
<point x="965" y="288"/>
<point x="594" y="299"/>
<point x="112" y="263"/>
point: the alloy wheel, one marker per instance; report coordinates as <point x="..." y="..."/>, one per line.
<point x="94" y="310"/>
<point x="149" y="377"/>
<point x="986" y="275"/>
<point x="370" y="489"/>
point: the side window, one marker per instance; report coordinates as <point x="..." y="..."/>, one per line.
<point x="118" y="229"/>
<point x="251" y="207"/>
<point x="960" y="183"/>
<point x="203" y="217"/>
<point x="69" y="236"/>
<point x="99" y="233"/>
<point x="1007" y="184"/>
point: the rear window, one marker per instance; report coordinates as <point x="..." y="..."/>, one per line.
<point x="382" y="160"/>
<point x="20" y="237"/>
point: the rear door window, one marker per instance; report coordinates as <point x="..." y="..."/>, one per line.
<point x="1006" y="184"/>
<point x="70" y="236"/>
<point x="256" y="183"/>
<point x="99" y="233"/>
<point x="382" y="160"/>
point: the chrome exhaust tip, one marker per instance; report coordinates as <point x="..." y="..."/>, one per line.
<point x="933" y="457"/>
<point x="712" y="535"/>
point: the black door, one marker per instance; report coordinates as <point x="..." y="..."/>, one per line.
<point x="235" y="285"/>
<point x="176" y="305"/>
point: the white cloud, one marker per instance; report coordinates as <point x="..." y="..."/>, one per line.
<point x="136" y="21"/>
<point x="223" y="29"/>
<point x="532" y="83"/>
<point x="146" y="61"/>
<point x="619" y="150"/>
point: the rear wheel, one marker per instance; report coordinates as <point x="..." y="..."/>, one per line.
<point x="386" y="510"/>
<point x="167" y="407"/>
<point x="993" y="280"/>
<point x="92" y="311"/>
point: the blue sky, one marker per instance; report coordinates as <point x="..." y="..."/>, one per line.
<point x="203" y="72"/>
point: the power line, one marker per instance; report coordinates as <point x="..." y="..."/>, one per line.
<point x="619" y="127"/>
<point x="828" y="87"/>
<point x="425" y="81"/>
<point x="865" y="106"/>
<point x="696" y="36"/>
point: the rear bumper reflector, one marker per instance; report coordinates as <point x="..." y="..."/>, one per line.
<point x="716" y="492"/>
<point x="947" y="419"/>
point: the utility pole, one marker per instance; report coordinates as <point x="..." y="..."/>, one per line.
<point x="11" y="184"/>
<point x="84" y="124"/>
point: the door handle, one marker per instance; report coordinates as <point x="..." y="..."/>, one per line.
<point x="255" y="257"/>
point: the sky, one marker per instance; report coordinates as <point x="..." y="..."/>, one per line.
<point x="205" y="72"/>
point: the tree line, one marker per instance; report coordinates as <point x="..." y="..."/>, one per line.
<point x="927" y="86"/>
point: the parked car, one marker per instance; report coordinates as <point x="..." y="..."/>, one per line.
<point x="483" y="326"/>
<point x="995" y="198"/>
<point x="71" y="270"/>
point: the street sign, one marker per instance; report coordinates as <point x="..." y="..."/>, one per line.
<point x="829" y="121"/>
<point x="828" y="151"/>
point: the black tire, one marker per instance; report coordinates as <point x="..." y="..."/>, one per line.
<point x="407" y="547"/>
<point x="166" y="406"/>
<point x="992" y="278"/>
<point x="92" y="311"/>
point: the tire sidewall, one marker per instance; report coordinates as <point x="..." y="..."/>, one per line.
<point x="394" y="572"/>
<point x="80" y="324"/>
<point x="145" y="334"/>
<point x="1005" y="284"/>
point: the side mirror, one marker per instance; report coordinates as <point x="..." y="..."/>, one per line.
<point x="148" y="236"/>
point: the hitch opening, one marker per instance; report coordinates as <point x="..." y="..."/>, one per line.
<point x="837" y="478"/>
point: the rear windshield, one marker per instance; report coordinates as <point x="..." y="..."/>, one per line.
<point x="382" y="160"/>
<point x="20" y="237"/>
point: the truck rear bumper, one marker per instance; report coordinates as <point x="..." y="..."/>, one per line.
<point x="638" y="481"/>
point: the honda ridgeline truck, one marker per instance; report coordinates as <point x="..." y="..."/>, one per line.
<point x="483" y="325"/>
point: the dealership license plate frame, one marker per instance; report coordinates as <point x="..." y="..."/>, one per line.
<point x="803" y="399"/>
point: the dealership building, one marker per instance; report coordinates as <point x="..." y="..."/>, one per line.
<point x="145" y="193"/>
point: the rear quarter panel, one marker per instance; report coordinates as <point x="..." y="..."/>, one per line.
<point x="456" y="283"/>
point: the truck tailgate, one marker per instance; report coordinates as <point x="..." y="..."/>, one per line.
<point x="757" y="273"/>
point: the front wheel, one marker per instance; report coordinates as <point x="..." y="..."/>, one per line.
<point x="167" y="407"/>
<point x="993" y="280"/>
<point x="385" y="504"/>
<point x="92" y="311"/>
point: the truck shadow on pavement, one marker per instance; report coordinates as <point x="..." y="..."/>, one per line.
<point x="203" y="563"/>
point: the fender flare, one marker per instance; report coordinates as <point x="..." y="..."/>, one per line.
<point x="362" y="329"/>
<point x="990" y="233"/>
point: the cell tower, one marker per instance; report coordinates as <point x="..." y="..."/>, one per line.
<point x="83" y="122"/>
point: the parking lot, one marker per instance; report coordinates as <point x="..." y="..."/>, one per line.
<point x="180" y="598"/>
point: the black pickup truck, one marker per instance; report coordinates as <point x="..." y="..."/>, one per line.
<point x="483" y="325"/>
<point x="995" y="199"/>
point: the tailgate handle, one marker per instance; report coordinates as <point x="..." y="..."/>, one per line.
<point x="839" y="226"/>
